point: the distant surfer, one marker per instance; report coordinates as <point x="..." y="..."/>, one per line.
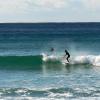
<point x="52" y="51"/>
<point x="67" y="54"/>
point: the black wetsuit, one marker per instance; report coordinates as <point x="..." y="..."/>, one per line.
<point x="68" y="55"/>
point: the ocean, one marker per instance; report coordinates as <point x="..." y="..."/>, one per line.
<point x="30" y="71"/>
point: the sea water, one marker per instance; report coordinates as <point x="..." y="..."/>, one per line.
<point x="24" y="75"/>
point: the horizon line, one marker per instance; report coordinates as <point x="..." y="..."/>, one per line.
<point x="44" y="22"/>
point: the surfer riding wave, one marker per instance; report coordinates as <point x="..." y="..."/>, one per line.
<point x="67" y="54"/>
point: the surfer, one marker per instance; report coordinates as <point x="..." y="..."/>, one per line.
<point x="52" y="51"/>
<point x="67" y="54"/>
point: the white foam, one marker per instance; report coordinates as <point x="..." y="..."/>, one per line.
<point x="90" y="59"/>
<point x="86" y="59"/>
<point x="55" y="95"/>
<point x="30" y="98"/>
<point x="21" y="91"/>
<point x="81" y="59"/>
<point x="49" y="57"/>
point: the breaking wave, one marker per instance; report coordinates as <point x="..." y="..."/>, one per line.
<point x="82" y="59"/>
<point x="35" y="62"/>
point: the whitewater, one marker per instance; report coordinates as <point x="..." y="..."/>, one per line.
<point x="87" y="59"/>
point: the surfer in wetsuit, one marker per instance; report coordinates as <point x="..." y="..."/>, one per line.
<point x="52" y="49"/>
<point x="67" y="54"/>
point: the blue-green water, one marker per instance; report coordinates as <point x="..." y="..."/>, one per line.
<point x="24" y="75"/>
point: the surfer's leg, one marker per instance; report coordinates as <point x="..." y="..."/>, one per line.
<point x="68" y="58"/>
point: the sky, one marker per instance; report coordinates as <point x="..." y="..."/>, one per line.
<point x="49" y="11"/>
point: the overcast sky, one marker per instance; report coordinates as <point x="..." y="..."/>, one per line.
<point x="49" y="10"/>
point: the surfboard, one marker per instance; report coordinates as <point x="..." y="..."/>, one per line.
<point x="65" y="62"/>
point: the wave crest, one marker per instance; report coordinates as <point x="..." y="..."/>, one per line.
<point x="82" y="59"/>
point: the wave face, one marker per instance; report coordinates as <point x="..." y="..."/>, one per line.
<point x="20" y="62"/>
<point x="36" y="62"/>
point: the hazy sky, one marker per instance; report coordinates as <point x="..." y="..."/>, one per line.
<point x="49" y="10"/>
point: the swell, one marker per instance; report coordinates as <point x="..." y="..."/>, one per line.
<point x="20" y="62"/>
<point x="28" y="62"/>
